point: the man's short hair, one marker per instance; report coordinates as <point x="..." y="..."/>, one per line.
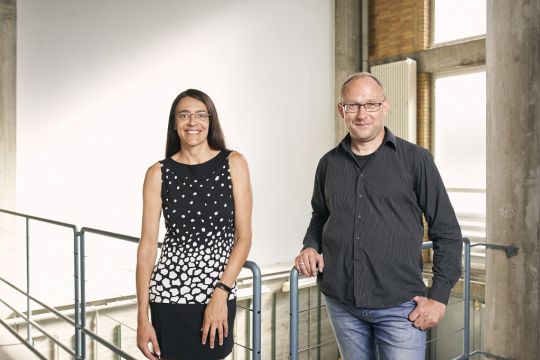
<point x="355" y="76"/>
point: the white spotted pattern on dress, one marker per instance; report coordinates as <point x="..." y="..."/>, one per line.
<point x="200" y="231"/>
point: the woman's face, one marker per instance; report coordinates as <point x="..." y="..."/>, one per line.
<point x="192" y="122"/>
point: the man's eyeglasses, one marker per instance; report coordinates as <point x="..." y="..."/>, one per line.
<point x="200" y="116"/>
<point x="355" y="107"/>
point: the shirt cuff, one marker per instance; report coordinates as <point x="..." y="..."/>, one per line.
<point x="312" y="244"/>
<point x="439" y="292"/>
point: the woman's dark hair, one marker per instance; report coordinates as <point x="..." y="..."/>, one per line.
<point x="215" y="135"/>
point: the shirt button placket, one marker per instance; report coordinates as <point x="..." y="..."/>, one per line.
<point x="358" y="268"/>
<point x="359" y="188"/>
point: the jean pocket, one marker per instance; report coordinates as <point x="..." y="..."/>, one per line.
<point x="409" y="303"/>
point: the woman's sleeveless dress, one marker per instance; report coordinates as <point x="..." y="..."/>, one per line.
<point x="198" y="209"/>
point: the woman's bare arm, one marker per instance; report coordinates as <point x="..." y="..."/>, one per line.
<point x="215" y="318"/>
<point x="146" y="258"/>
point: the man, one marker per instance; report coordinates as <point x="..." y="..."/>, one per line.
<point x="365" y="236"/>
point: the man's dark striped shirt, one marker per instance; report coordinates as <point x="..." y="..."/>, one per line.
<point x="368" y="225"/>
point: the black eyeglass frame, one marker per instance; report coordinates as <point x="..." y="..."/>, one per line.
<point x="375" y="106"/>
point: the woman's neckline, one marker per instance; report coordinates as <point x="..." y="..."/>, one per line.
<point x="199" y="164"/>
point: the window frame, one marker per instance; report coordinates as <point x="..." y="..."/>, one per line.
<point x="478" y="253"/>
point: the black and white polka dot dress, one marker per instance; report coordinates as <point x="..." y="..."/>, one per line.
<point x="198" y="209"/>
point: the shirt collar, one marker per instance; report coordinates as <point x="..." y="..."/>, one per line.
<point x="389" y="139"/>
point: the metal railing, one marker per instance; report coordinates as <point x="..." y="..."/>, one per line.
<point x="28" y="342"/>
<point x="79" y="291"/>
<point x="294" y="308"/>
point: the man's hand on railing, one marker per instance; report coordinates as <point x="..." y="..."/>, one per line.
<point x="145" y="335"/>
<point x="308" y="262"/>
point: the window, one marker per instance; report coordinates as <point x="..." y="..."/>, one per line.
<point x="458" y="19"/>
<point x="460" y="145"/>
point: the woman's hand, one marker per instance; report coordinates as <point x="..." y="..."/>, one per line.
<point x="215" y="318"/>
<point x="146" y="334"/>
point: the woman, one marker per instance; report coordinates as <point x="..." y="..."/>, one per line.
<point x="205" y="193"/>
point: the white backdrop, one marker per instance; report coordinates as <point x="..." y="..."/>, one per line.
<point x="95" y="81"/>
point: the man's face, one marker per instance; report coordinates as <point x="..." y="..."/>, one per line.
<point x="365" y="126"/>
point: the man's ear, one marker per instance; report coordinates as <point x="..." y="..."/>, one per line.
<point x="340" y="110"/>
<point x="386" y="106"/>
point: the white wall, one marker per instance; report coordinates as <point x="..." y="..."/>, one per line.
<point x="95" y="81"/>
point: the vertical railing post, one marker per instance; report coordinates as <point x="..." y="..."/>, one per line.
<point x="309" y="323"/>
<point x="82" y="263"/>
<point x="293" y="288"/>
<point x="319" y="302"/>
<point x="256" y="309"/>
<point x="28" y="308"/>
<point x="77" y="309"/>
<point x="248" y="332"/>
<point x="467" y="296"/>
<point x="274" y="322"/>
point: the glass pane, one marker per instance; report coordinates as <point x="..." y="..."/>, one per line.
<point x="460" y="129"/>
<point x="458" y="19"/>
<point x="460" y="146"/>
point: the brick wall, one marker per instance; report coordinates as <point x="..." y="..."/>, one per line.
<point x="398" y="27"/>
<point x="423" y="110"/>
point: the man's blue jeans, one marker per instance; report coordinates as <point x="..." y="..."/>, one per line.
<point x="368" y="334"/>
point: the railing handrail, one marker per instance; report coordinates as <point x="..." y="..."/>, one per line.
<point x="23" y="340"/>
<point x="107" y="344"/>
<point x="41" y="329"/>
<point x="41" y="219"/>
<point x="80" y="306"/>
<point x="51" y="309"/>
<point x="75" y="270"/>
<point x="256" y="313"/>
<point x="110" y="234"/>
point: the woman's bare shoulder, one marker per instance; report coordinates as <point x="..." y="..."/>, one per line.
<point x="237" y="158"/>
<point x="153" y="174"/>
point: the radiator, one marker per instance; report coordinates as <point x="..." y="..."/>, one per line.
<point x="399" y="81"/>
